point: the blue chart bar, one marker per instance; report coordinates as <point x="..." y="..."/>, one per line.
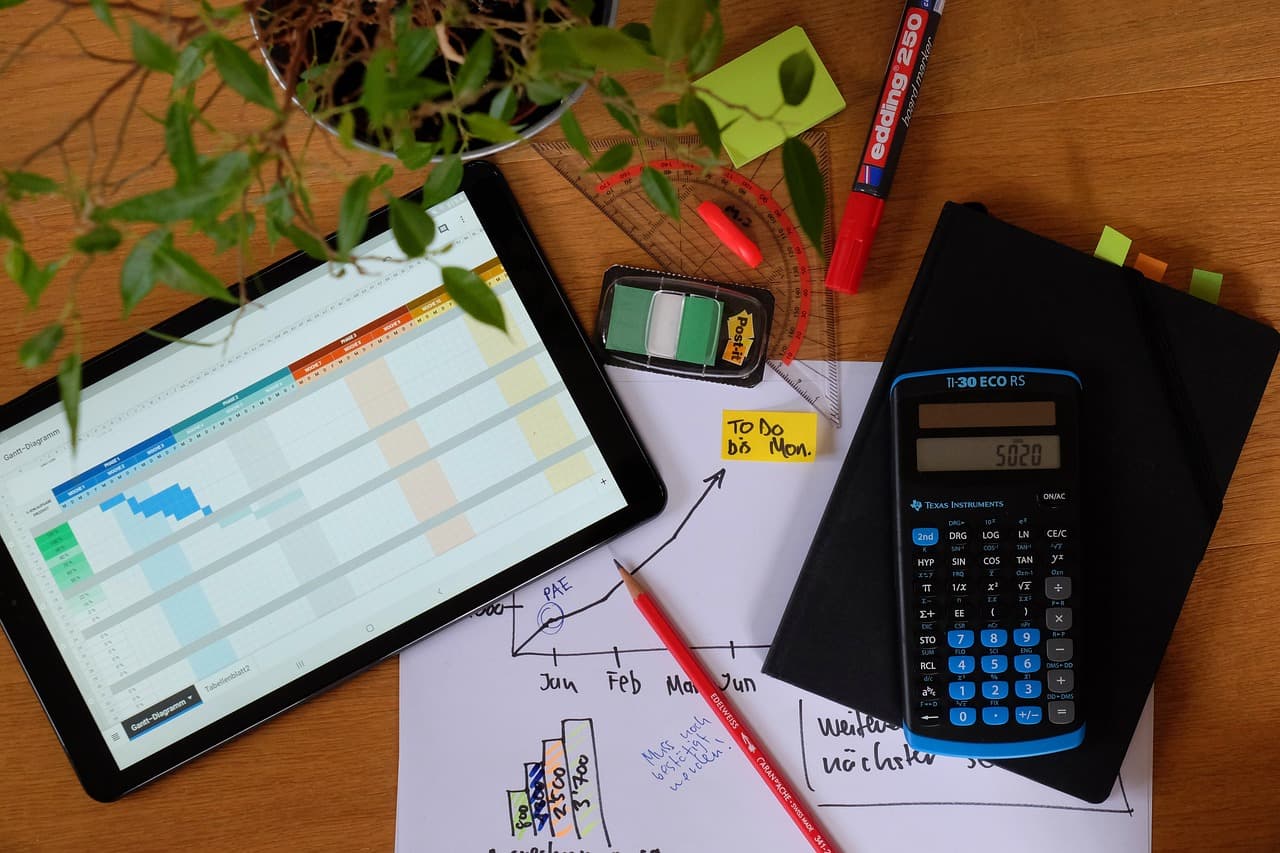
<point x="176" y="501"/>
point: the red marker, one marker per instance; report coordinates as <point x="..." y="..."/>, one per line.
<point x="902" y="79"/>
<point x="730" y="234"/>
<point x="746" y="740"/>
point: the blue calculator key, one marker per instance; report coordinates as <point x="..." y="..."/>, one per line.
<point x="965" y="716"/>
<point x="995" y="689"/>
<point x="994" y="664"/>
<point x="960" y="639"/>
<point x="960" y="664"/>
<point x="995" y="716"/>
<point x="1026" y="637"/>
<point x="995" y="637"/>
<point x="924" y="536"/>
<point x="961" y="691"/>
<point x="1026" y="663"/>
<point x="1026" y="715"/>
<point x="1027" y="689"/>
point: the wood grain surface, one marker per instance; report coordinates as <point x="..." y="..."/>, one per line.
<point x="1160" y="120"/>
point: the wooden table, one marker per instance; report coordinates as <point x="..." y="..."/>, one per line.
<point x="1159" y="120"/>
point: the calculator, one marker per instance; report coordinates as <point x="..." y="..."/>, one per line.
<point x="987" y="526"/>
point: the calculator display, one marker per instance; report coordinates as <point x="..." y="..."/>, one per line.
<point x="988" y="453"/>
<point x="987" y="414"/>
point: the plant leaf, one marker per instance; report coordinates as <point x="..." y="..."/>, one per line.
<point x="7" y="228"/>
<point x="614" y="159"/>
<point x="179" y="143"/>
<point x="639" y="31"/>
<point x="414" y="155"/>
<point x="242" y="74"/>
<point x="347" y="129"/>
<point x="412" y="227"/>
<point x="178" y="270"/>
<point x="304" y="241"/>
<point x="384" y="174"/>
<point x="543" y="92"/>
<point x="503" y="106"/>
<point x="231" y="231"/>
<point x="488" y="128"/>
<point x="608" y="49"/>
<point x="573" y="133"/>
<point x="443" y="181"/>
<point x="704" y="120"/>
<point x="804" y="183"/>
<point x="190" y="67"/>
<point x="676" y="26"/>
<point x="476" y="67"/>
<point x="353" y="214"/>
<point x="373" y="94"/>
<point x="620" y="105"/>
<point x="69" y="390"/>
<point x="9" y="4"/>
<point x="796" y="76"/>
<point x="474" y="296"/>
<point x="220" y="181"/>
<point x="414" y="49"/>
<point x="706" y="50"/>
<point x="669" y="116"/>
<point x="103" y="238"/>
<point x="137" y="276"/>
<point x="27" y="272"/>
<point x="102" y="10"/>
<point x="151" y="51"/>
<point x="28" y="183"/>
<point x="660" y="191"/>
<point x="38" y="348"/>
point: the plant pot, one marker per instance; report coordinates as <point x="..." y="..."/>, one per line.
<point x="536" y="119"/>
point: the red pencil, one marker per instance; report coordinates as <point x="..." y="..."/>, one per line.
<point x="768" y="769"/>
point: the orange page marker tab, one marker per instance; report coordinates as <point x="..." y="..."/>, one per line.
<point x="1206" y="285"/>
<point x="1112" y="246"/>
<point x="1152" y="268"/>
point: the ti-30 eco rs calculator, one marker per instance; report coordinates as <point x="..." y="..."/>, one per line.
<point x="987" y="492"/>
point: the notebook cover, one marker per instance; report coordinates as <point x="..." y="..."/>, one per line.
<point x="1171" y="384"/>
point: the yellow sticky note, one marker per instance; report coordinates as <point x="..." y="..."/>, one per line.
<point x="769" y="436"/>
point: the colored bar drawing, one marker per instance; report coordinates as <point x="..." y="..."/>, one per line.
<point x="562" y="791"/>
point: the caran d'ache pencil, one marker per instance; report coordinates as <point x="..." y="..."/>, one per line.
<point x="768" y="769"/>
<point x="898" y="96"/>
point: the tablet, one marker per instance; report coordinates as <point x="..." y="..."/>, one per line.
<point x="345" y="466"/>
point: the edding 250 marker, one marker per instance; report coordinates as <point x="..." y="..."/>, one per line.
<point x="898" y="96"/>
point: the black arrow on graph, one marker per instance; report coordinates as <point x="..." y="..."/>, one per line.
<point x="715" y="481"/>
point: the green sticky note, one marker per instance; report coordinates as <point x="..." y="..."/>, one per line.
<point x="699" y="330"/>
<point x="629" y="319"/>
<point x="751" y="81"/>
<point x="1112" y="246"/>
<point x="1206" y="285"/>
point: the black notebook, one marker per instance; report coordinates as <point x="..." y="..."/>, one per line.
<point x="1171" y="384"/>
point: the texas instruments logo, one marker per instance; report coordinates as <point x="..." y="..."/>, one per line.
<point x="916" y="505"/>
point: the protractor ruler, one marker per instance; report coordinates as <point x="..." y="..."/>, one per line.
<point x="802" y="341"/>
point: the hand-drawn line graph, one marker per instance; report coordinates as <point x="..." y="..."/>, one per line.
<point x="552" y="624"/>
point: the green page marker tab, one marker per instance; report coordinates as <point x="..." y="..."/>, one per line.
<point x="751" y="81"/>
<point x="629" y="319"/>
<point x="1113" y="246"/>
<point x="1206" y="285"/>
<point x="699" y="330"/>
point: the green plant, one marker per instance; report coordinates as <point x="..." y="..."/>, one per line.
<point x="424" y="80"/>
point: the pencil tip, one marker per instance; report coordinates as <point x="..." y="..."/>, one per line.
<point x="628" y="580"/>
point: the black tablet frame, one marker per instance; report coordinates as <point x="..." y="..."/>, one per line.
<point x="573" y="356"/>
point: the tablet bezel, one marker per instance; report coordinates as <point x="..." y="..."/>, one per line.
<point x="573" y="356"/>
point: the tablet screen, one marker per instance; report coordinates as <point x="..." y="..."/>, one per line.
<point x="341" y="456"/>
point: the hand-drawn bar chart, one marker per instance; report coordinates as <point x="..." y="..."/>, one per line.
<point x="559" y="796"/>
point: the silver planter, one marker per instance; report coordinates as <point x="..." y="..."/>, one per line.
<point x="609" y="15"/>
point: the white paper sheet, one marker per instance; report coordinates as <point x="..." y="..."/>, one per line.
<point x="598" y="708"/>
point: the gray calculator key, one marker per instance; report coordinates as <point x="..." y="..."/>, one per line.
<point x="1061" y="680"/>
<point x="1058" y="650"/>
<point x="1057" y="588"/>
<point x="1058" y="618"/>
<point x="1062" y="712"/>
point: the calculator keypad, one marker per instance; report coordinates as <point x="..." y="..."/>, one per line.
<point x="992" y="596"/>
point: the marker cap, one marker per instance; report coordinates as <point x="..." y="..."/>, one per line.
<point x="730" y="234"/>
<point x="853" y="243"/>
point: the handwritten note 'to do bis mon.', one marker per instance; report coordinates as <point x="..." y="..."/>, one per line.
<point x="769" y="436"/>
